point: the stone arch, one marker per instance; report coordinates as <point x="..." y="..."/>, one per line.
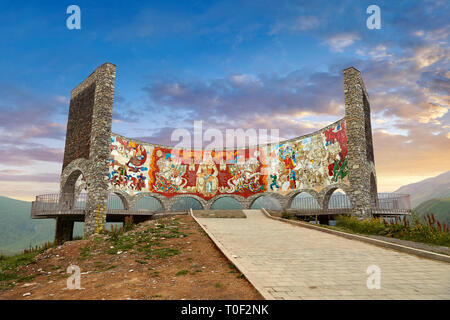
<point x="68" y="185"/>
<point x="273" y="195"/>
<point x="68" y="191"/>
<point x="326" y="193"/>
<point x="181" y="197"/>
<point x="291" y="196"/>
<point x="160" y="198"/>
<point x="122" y="196"/>
<point x="186" y="203"/>
<point x="240" y="199"/>
<point x="71" y="173"/>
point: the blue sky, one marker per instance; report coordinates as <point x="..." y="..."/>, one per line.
<point x="232" y="64"/>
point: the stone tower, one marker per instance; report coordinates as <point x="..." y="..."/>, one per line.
<point x="87" y="150"/>
<point x="361" y="162"/>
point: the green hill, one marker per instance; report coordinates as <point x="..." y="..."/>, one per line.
<point x="18" y="231"/>
<point x="440" y="208"/>
<point x="431" y="188"/>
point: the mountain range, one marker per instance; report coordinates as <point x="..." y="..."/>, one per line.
<point x="18" y="231"/>
<point x="436" y="187"/>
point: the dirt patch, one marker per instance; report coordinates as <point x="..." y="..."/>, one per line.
<point x="170" y="258"/>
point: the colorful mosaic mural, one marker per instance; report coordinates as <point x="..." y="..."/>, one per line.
<point x="311" y="162"/>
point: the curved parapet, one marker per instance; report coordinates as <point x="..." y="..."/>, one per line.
<point x="310" y="162"/>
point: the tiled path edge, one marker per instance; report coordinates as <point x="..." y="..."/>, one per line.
<point x="236" y="263"/>
<point x="380" y="243"/>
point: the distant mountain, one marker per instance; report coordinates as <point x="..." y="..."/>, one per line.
<point x="440" y="208"/>
<point x="18" y="231"/>
<point x="431" y="188"/>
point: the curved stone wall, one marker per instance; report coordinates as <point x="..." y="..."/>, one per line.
<point x="311" y="162"/>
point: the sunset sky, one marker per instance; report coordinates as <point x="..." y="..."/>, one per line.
<point x="233" y="64"/>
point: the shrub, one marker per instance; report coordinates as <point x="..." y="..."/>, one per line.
<point x="128" y="224"/>
<point x="40" y="248"/>
<point x="407" y="228"/>
<point x="115" y="232"/>
<point x="372" y="226"/>
<point x="286" y="215"/>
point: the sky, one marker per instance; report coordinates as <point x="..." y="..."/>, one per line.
<point x="232" y="64"/>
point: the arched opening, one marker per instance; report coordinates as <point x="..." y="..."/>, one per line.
<point x="226" y="203"/>
<point x="67" y="199"/>
<point x="80" y="202"/>
<point x="337" y="200"/>
<point x="266" y="202"/>
<point x="75" y="178"/>
<point x="116" y="203"/>
<point x="186" y="203"/>
<point x="304" y="201"/>
<point x="73" y="197"/>
<point x="148" y="203"/>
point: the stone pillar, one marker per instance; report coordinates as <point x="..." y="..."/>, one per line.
<point x="360" y="146"/>
<point x="89" y="137"/>
<point x="97" y="180"/>
<point x="64" y="230"/>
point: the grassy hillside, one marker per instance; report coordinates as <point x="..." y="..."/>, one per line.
<point x="440" y="208"/>
<point x="436" y="187"/>
<point x="18" y="231"/>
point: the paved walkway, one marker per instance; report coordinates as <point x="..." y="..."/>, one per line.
<point x="290" y="262"/>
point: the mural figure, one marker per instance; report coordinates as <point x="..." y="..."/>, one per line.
<point x="274" y="182"/>
<point x="207" y="182"/>
<point x="245" y="177"/>
<point x="128" y="169"/>
<point x="170" y="178"/>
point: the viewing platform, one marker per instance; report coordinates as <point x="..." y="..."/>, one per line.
<point x="301" y="205"/>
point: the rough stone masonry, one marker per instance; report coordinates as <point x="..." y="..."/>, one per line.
<point x="88" y="147"/>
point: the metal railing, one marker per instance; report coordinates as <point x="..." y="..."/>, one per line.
<point x="60" y="204"/>
<point x="303" y="204"/>
<point x="385" y="204"/>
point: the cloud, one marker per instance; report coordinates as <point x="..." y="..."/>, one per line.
<point x="339" y="42"/>
<point x="25" y="115"/>
<point x="123" y="110"/>
<point x="419" y="153"/>
<point x="306" y="23"/>
<point x="49" y="177"/>
<point x="428" y="55"/>
<point x="299" y="24"/>
<point x="432" y="113"/>
<point x="11" y="171"/>
<point x="17" y="156"/>
<point x="237" y="99"/>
